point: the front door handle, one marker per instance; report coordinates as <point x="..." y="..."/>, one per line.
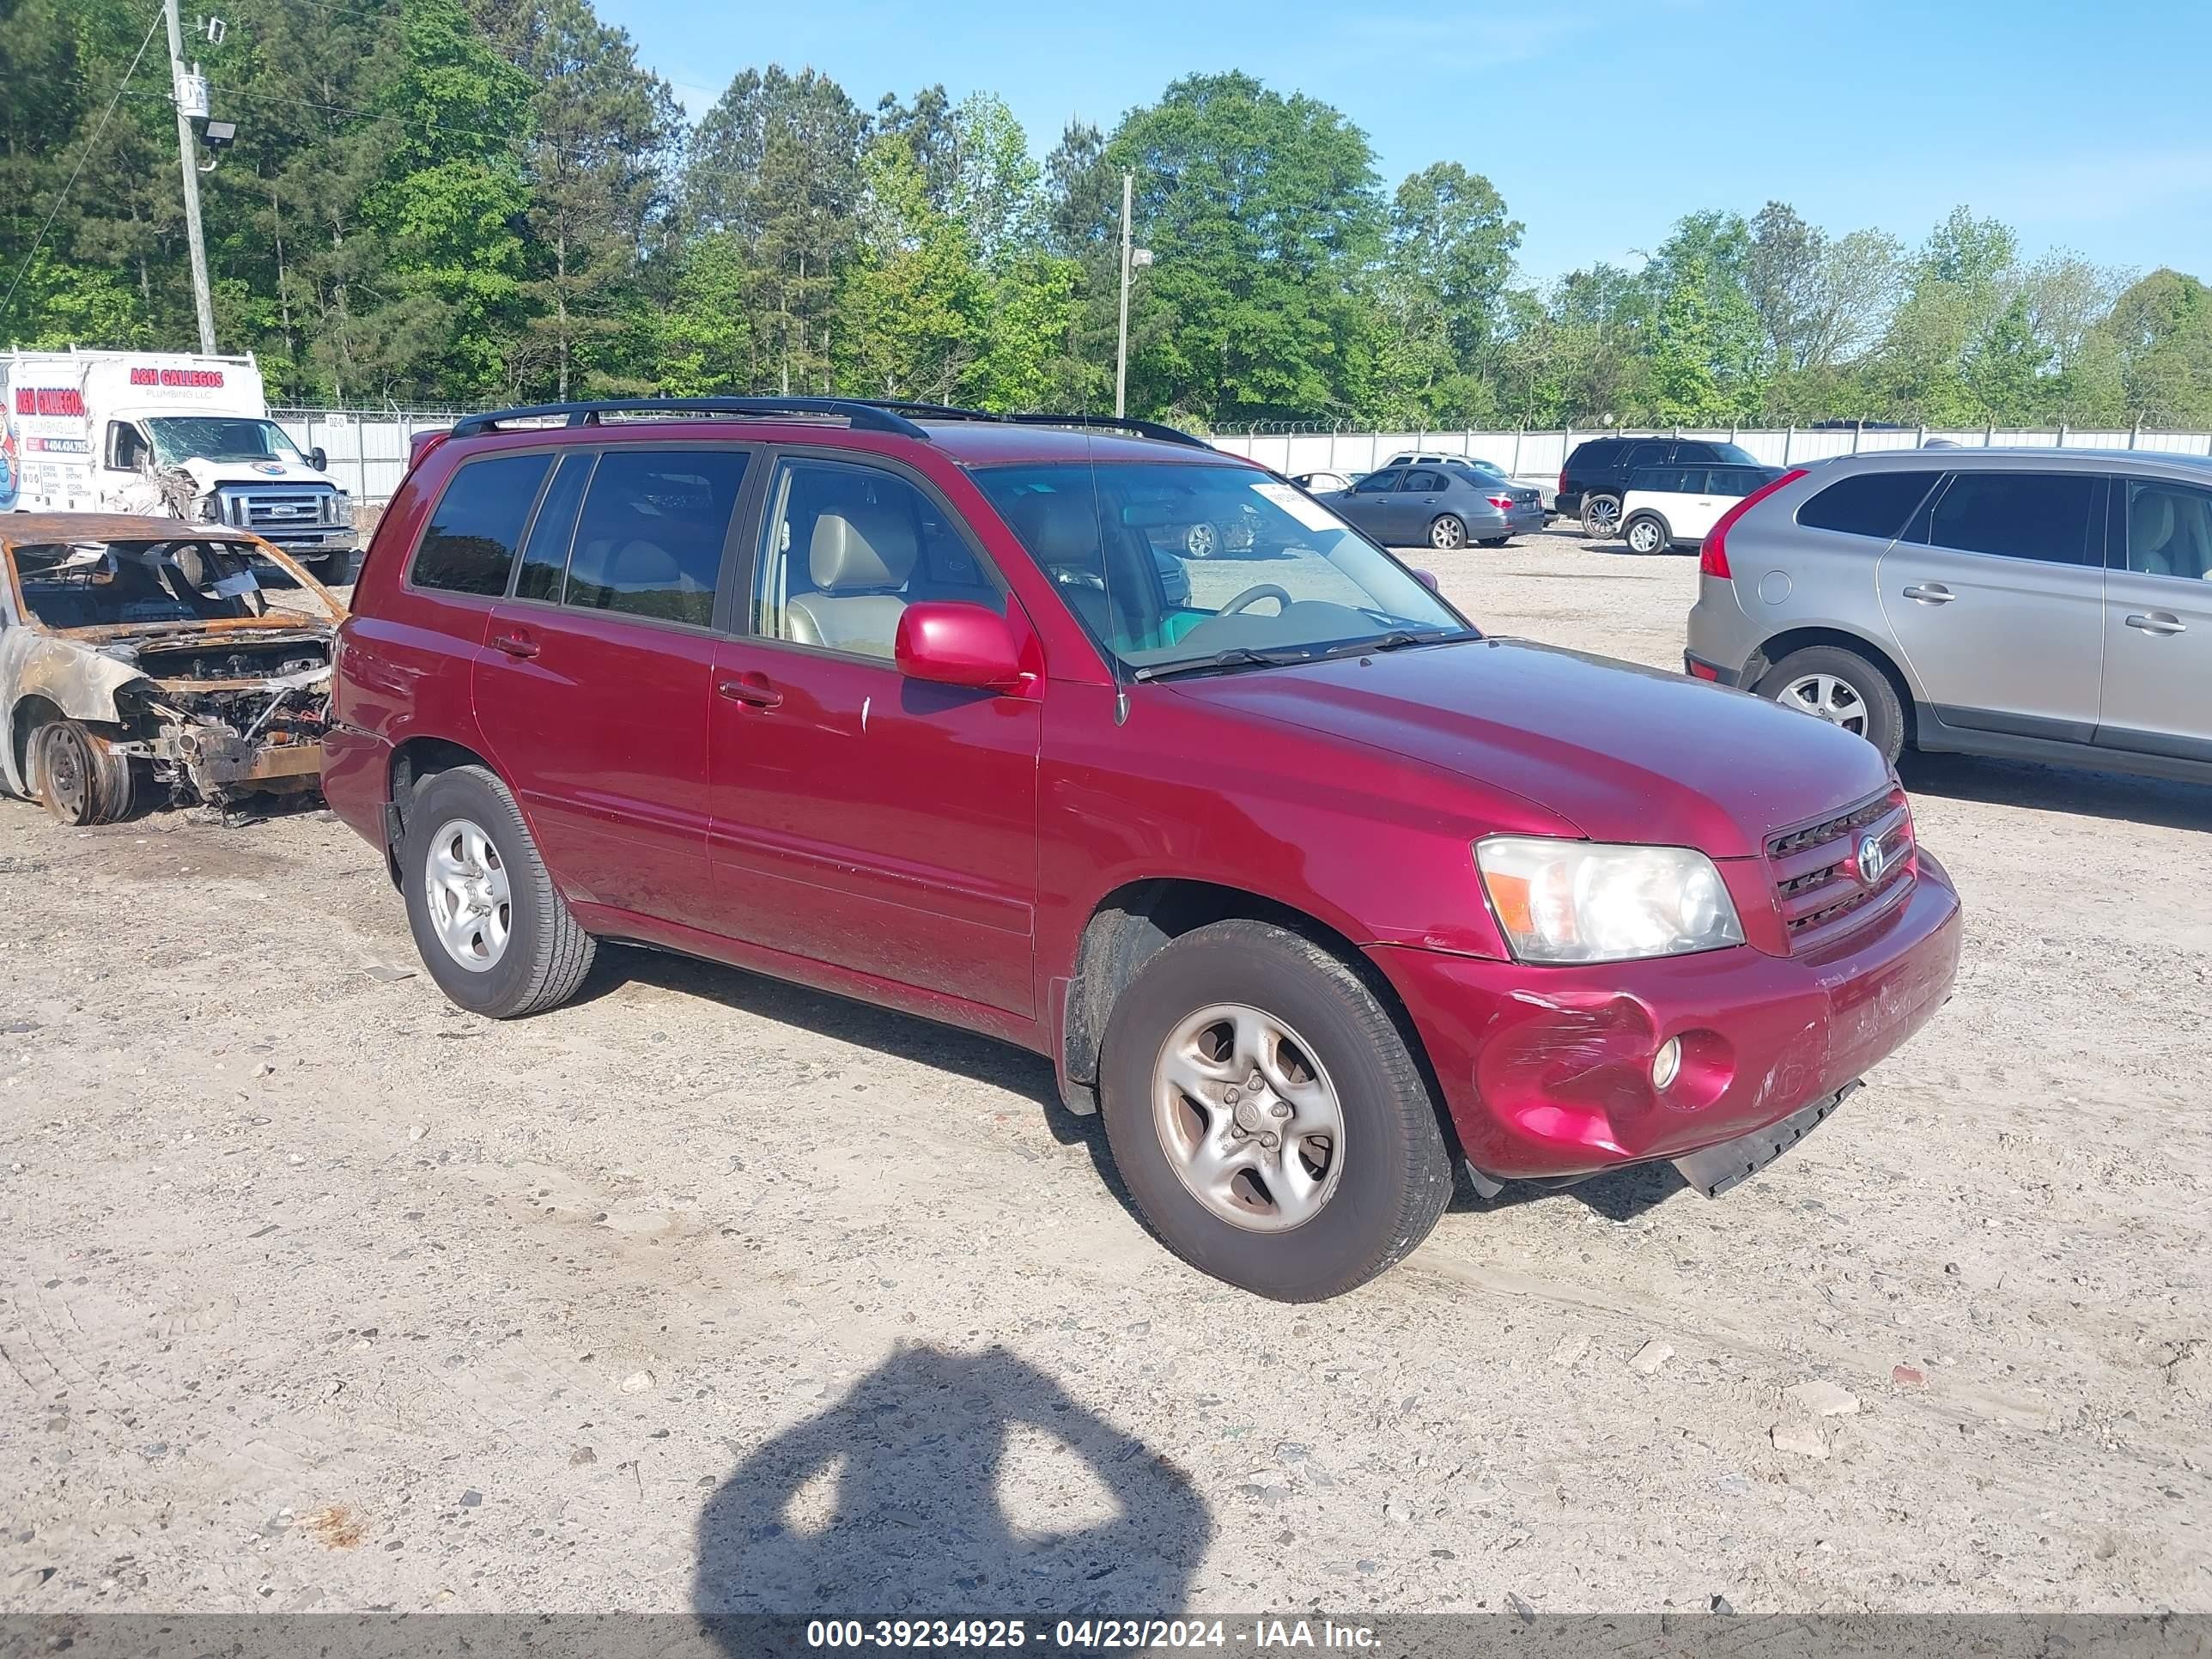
<point x="751" y="689"/>
<point x="517" y="644"/>
<point x="1931" y="594"/>
<point x="2158" y="622"/>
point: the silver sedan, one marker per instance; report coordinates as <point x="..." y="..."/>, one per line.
<point x="1439" y="507"/>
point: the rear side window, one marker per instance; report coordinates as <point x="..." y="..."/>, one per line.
<point x="2043" y="516"/>
<point x="650" y="537"/>
<point x="1874" y="504"/>
<point x="1420" y="483"/>
<point x="477" y="525"/>
<point x="545" y="554"/>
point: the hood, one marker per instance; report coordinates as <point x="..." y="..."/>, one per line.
<point x="206" y="474"/>
<point x="1623" y="753"/>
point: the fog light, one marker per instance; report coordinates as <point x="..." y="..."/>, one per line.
<point x="1667" y="1064"/>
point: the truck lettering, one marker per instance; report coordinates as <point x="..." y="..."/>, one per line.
<point x="183" y="377"/>
<point x="49" y="400"/>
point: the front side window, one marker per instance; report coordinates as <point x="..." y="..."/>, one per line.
<point x="2169" y="530"/>
<point x="470" y="539"/>
<point x="845" y="549"/>
<point x="1379" y="484"/>
<point x="1645" y="455"/>
<point x="1293" y="583"/>
<point x="650" y="537"/>
<point x="2042" y="516"/>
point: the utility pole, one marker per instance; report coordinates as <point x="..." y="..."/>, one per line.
<point x="1121" y="354"/>
<point x="201" y="300"/>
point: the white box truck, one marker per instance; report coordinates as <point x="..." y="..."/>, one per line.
<point x="184" y="436"/>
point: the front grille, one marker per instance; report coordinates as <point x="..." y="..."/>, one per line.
<point x="1819" y="884"/>
<point x="276" y="514"/>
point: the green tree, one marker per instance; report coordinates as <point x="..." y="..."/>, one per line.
<point x="2160" y="331"/>
<point x="912" y="306"/>
<point x="1449" y="254"/>
<point x="1264" y="215"/>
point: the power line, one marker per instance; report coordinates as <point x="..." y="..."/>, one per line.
<point x="98" y="132"/>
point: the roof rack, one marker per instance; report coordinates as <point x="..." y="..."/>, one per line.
<point x="862" y="416"/>
<point x="1102" y="422"/>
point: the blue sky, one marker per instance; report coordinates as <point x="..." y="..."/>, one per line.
<point x="1601" y="121"/>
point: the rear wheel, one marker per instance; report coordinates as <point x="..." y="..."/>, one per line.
<point x="80" y="779"/>
<point x="1842" y="688"/>
<point x="1447" y="533"/>
<point x="1269" y="1118"/>
<point x="491" y="928"/>
<point x="1600" y="516"/>
<point x="1201" y="541"/>
<point x="1645" y="534"/>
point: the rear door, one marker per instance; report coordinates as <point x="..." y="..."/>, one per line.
<point x="593" y="688"/>
<point x="1994" y="592"/>
<point x="859" y="818"/>
<point x="2158" y="620"/>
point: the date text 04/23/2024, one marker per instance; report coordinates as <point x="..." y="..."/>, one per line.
<point x="1095" y="1635"/>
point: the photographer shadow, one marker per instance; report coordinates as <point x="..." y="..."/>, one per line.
<point x="894" y="1501"/>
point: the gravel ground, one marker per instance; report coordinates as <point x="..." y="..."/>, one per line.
<point x="707" y="1292"/>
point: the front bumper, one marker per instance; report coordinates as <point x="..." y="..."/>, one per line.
<point x="1546" y="1071"/>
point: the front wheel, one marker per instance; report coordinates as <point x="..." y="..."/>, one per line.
<point x="1600" y="516"/>
<point x="1645" y="535"/>
<point x="1201" y="541"/>
<point x="1842" y="688"/>
<point x="1446" y="533"/>
<point x="1268" y="1116"/>
<point x="80" y="777"/>
<point x="490" y="926"/>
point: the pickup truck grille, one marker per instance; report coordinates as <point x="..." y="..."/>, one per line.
<point x="301" y="512"/>
<point x="1821" y="883"/>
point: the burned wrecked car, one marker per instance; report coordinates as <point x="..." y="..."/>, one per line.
<point x="144" y="661"/>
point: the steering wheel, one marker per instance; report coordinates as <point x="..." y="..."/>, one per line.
<point x="1253" y="595"/>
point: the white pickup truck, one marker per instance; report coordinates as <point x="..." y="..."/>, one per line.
<point x="164" y="433"/>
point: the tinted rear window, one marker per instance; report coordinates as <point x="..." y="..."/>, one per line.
<point x="473" y="530"/>
<point x="1874" y="504"/>
<point x="649" y="540"/>
<point x="2043" y="516"/>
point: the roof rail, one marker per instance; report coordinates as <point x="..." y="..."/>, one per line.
<point x="1102" y="422"/>
<point x="862" y="416"/>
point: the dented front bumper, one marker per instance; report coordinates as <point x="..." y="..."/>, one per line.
<point x="1547" y="1071"/>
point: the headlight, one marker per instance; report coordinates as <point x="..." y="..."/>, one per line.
<point x="1577" y="901"/>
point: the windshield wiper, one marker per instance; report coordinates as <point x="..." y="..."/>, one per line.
<point x="1400" y="638"/>
<point x="1237" y="656"/>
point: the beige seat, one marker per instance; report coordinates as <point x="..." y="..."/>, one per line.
<point x="859" y="557"/>
<point x="1062" y="533"/>
<point x="2150" y="533"/>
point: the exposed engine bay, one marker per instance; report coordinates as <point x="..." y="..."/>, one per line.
<point x="194" y="666"/>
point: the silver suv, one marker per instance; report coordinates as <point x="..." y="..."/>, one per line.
<point x="2038" y="604"/>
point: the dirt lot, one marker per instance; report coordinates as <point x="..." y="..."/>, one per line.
<point x="712" y="1292"/>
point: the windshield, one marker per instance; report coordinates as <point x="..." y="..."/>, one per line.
<point x="119" y="584"/>
<point x="181" y="438"/>
<point x="1172" y="565"/>
<point x="1735" y="452"/>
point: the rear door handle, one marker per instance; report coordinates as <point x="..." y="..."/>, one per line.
<point x="751" y="689"/>
<point x="1931" y="594"/>
<point x="2158" y="622"/>
<point x="517" y="644"/>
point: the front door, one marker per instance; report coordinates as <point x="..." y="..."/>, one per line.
<point x="1367" y="503"/>
<point x="1419" y="498"/>
<point x="591" y="690"/>
<point x="2158" y="621"/>
<point x="861" y="818"/>
<point x="1994" y="593"/>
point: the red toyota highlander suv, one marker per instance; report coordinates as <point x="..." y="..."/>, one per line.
<point x="1301" y="881"/>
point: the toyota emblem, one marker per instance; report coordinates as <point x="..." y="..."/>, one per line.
<point x="1871" y="859"/>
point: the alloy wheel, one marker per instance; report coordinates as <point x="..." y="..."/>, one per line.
<point x="471" y="906"/>
<point x="1600" y="516"/>
<point x="1447" y="533"/>
<point x="1248" y="1118"/>
<point x="1829" y="698"/>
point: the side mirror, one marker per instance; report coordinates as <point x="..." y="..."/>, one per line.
<point x="950" y="643"/>
<point x="1428" y="580"/>
<point x="318" y="459"/>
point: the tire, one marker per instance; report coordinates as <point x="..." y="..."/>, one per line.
<point x="1848" y="684"/>
<point x="543" y="954"/>
<point x="1600" y="516"/>
<point x="1389" y="1172"/>
<point x="82" y="780"/>
<point x="1447" y="533"/>
<point x="1201" y="541"/>
<point x="1644" y="534"/>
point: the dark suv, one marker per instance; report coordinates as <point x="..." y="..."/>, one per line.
<point x="1595" y="476"/>
<point x="1297" y="878"/>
